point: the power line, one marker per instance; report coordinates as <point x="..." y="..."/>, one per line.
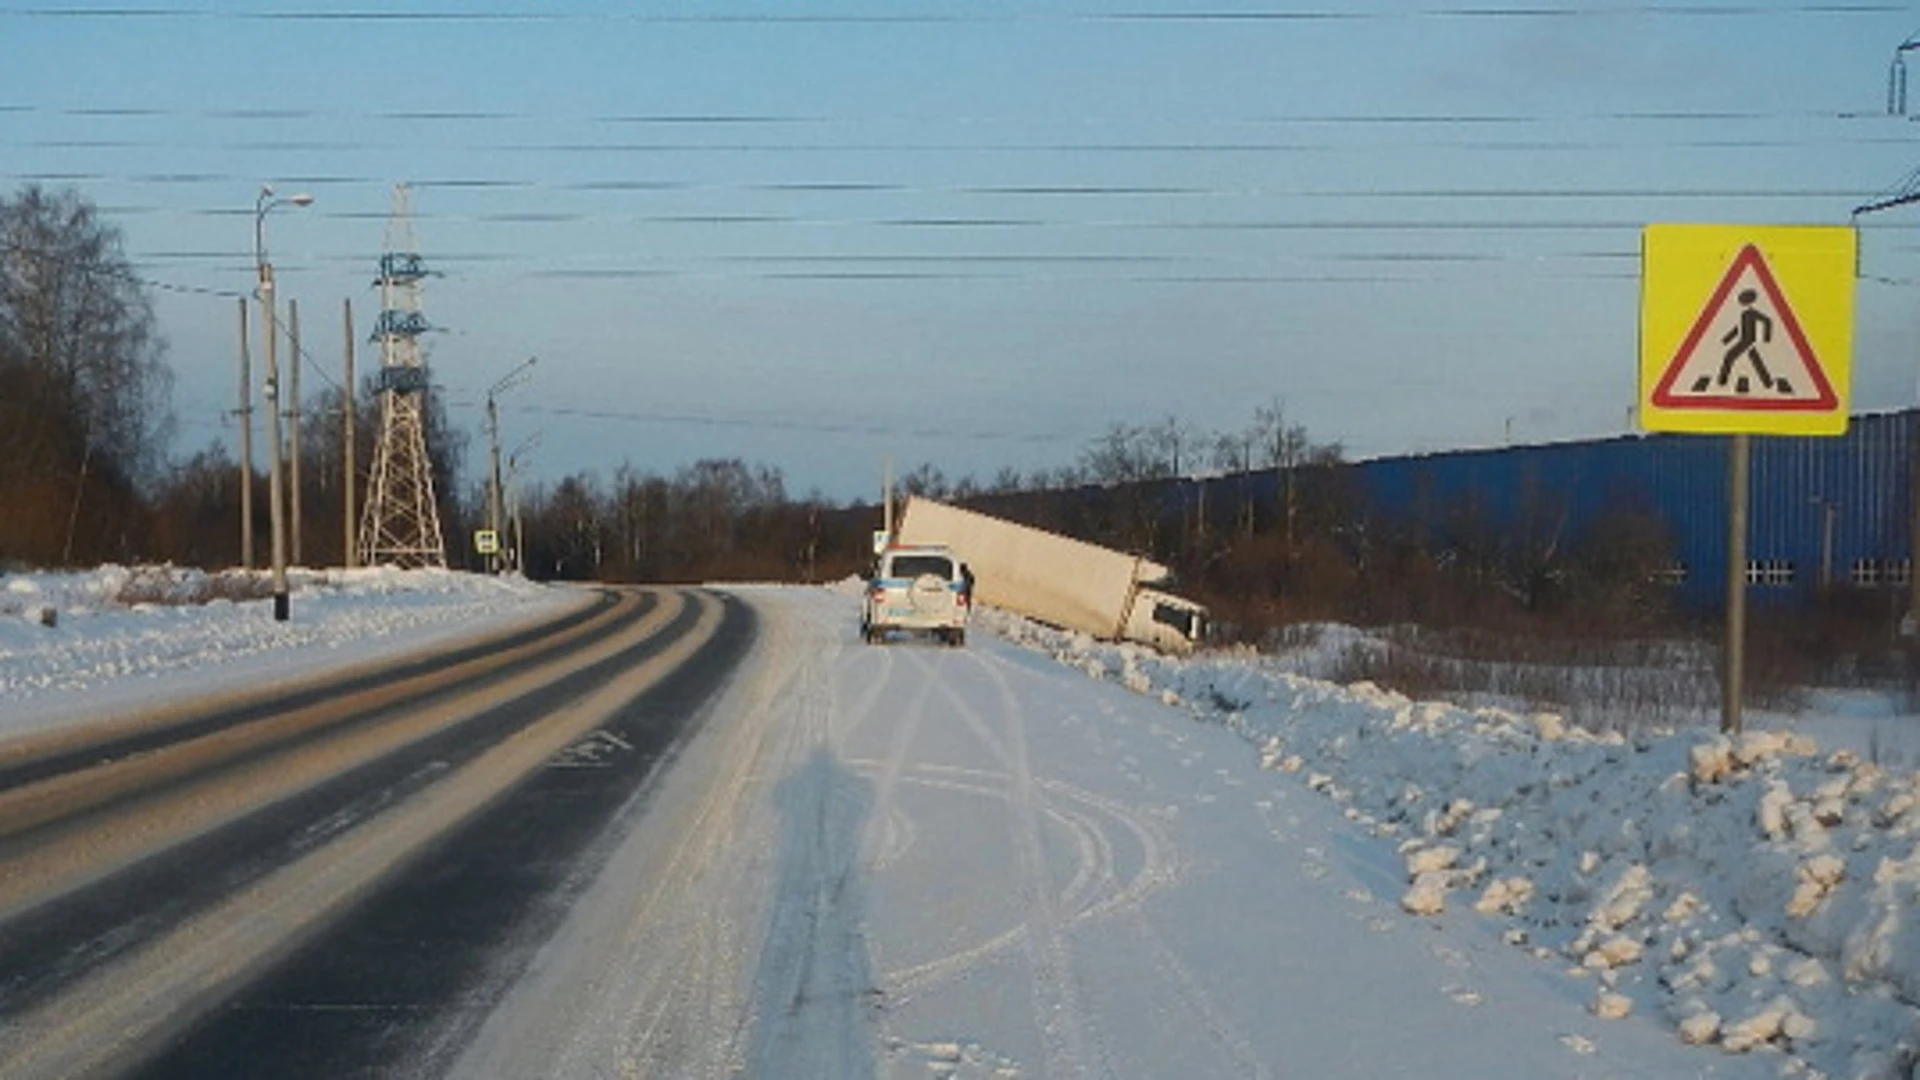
<point x="1220" y="17"/>
<point x="145" y="113"/>
<point x="94" y="268"/>
<point x="1008" y="149"/>
<point x="713" y="420"/>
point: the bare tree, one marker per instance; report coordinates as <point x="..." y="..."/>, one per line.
<point x="926" y="479"/>
<point x="1284" y="448"/>
<point x="82" y="367"/>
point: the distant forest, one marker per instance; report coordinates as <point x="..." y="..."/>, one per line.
<point x="1261" y="523"/>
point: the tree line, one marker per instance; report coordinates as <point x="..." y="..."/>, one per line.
<point x="1262" y="522"/>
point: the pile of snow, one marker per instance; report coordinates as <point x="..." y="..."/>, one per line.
<point x="1756" y="891"/>
<point x="84" y="643"/>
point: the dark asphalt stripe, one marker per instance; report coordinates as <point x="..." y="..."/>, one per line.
<point x="26" y="838"/>
<point x="35" y="770"/>
<point x="48" y="947"/>
<point x="422" y="961"/>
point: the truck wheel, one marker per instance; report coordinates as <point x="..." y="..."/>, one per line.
<point x="956" y="638"/>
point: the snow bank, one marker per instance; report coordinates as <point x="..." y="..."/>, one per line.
<point x="73" y="644"/>
<point x="1756" y="891"/>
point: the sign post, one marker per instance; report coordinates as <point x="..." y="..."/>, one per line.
<point x="1733" y="653"/>
<point x="1745" y="330"/>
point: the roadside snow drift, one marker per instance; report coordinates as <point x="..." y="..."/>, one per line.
<point x="1756" y="891"/>
<point x="73" y="644"/>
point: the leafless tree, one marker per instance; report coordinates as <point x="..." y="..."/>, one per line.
<point x="82" y="369"/>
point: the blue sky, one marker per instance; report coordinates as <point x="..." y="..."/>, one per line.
<point x="818" y="235"/>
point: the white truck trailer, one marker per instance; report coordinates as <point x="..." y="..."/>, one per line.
<point x="1056" y="579"/>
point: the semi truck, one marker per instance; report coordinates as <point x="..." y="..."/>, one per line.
<point x="1058" y="580"/>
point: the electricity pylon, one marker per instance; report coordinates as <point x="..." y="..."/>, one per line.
<point x="401" y="526"/>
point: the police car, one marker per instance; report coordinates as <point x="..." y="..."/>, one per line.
<point x="918" y="588"/>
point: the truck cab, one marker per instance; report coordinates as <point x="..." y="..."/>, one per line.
<point x="1167" y="622"/>
<point x="917" y="588"/>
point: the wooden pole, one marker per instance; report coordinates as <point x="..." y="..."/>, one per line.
<point x="348" y="411"/>
<point x="293" y="422"/>
<point x="246" y="444"/>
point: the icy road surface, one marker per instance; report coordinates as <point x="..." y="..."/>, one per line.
<point x="914" y="861"/>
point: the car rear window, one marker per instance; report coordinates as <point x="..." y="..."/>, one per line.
<point x="913" y="566"/>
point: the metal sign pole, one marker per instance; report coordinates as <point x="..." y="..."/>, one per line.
<point x="1733" y="671"/>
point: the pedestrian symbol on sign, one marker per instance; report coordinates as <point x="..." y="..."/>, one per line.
<point x="1733" y="359"/>
<point x="1753" y="329"/>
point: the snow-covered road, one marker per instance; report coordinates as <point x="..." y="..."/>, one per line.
<point x="1041" y="856"/>
<point x="911" y="860"/>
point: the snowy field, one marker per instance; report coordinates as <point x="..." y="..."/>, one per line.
<point x="1753" y="896"/>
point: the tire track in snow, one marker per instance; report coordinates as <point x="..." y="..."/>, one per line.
<point x="1067" y="1034"/>
<point x="877" y="842"/>
<point x="864" y="711"/>
<point x="645" y="984"/>
<point x="990" y="739"/>
<point x="1160" y="865"/>
<point x="1082" y="898"/>
<point x="813" y="992"/>
<point x="1222" y="1031"/>
<point x="692" y="994"/>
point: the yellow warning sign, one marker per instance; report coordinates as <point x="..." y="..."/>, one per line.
<point x="1746" y="328"/>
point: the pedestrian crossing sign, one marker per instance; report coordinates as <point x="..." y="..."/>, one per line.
<point x="1746" y="329"/>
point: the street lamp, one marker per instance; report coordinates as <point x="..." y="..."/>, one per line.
<point x="275" y="499"/>
<point x="510" y="379"/>
<point x="519" y="561"/>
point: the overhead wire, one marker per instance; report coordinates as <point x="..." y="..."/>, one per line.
<point x="960" y="15"/>
<point x="938" y="267"/>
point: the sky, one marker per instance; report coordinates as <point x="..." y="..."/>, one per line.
<point x="824" y="236"/>
<point x="1510" y="894"/>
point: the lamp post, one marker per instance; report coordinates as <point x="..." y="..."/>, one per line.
<point x="262" y="205"/>
<point x="519" y="560"/>
<point x="510" y="379"/>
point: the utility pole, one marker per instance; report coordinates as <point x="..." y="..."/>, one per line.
<point x="493" y="483"/>
<point x="519" y="560"/>
<point x="348" y="408"/>
<point x="1907" y="194"/>
<point x="275" y="505"/>
<point x="293" y="419"/>
<point x="246" y="445"/>
<point x="261" y="205"/>
<point x="510" y="379"/>
<point x="886" y="498"/>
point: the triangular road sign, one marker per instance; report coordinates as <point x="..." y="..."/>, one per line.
<point x="1746" y="351"/>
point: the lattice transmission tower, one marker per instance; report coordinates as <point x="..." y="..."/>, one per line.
<point x="401" y="526"/>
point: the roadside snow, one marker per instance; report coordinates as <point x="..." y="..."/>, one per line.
<point x="1756" y="891"/>
<point x="101" y="654"/>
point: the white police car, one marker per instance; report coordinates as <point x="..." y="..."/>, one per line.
<point x="918" y="588"/>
